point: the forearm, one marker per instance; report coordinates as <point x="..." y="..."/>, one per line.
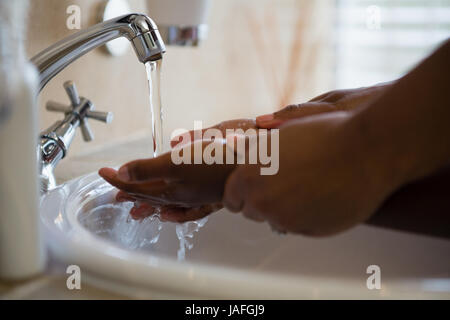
<point x="422" y="207"/>
<point x="408" y="127"/>
<point x="407" y="130"/>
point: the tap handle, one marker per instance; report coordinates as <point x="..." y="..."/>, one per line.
<point x="105" y="117"/>
<point x="80" y="109"/>
<point x="86" y="131"/>
<point x="57" y="107"/>
<point x="72" y="92"/>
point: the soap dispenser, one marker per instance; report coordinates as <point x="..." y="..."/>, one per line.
<point x="22" y="252"/>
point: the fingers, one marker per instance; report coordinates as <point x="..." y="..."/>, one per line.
<point x="142" y="211"/>
<point x="146" y="209"/>
<point x="173" y="214"/>
<point x="107" y="173"/>
<point x="186" y="138"/>
<point x="189" y="137"/>
<point x="294" y="111"/>
<point x="146" y="169"/>
<point x="155" y="190"/>
<point x="269" y="121"/>
<point x="181" y="215"/>
<point x="194" y="135"/>
<point x="122" y="196"/>
<point x="320" y="97"/>
<point x="167" y="213"/>
<point x="235" y="196"/>
<point x="182" y="184"/>
<point x="331" y="96"/>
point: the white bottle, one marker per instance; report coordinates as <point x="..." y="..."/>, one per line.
<point x="22" y="252"/>
<point x="179" y="12"/>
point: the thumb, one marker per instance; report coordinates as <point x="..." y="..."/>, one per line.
<point x="293" y="111"/>
<point x="233" y="196"/>
<point x="146" y="169"/>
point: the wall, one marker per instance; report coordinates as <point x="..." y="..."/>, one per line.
<point x="230" y="75"/>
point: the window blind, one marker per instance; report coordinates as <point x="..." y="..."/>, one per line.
<point x="380" y="40"/>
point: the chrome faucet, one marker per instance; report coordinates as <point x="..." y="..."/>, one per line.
<point x="138" y="28"/>
<point x="148" y="45"/>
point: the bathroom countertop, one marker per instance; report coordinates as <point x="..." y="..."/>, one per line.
<point x="52" y="284"/>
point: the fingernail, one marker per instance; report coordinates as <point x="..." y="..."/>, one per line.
<point x="122" y="198"/>
<point x="123" y="174"/>
<point x="108" y="173"/>
<point x="269" y="124"/>
<point x="265" y="117"/>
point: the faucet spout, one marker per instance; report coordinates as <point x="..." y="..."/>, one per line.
<point x="139" y="29"/>
<point x="148" y="45"/>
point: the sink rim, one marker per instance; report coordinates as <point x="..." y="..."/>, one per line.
<point x="121" y="268"/>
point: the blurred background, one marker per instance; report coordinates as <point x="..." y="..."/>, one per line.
<point x="259" y="56"/>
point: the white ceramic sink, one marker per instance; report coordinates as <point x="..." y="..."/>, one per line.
<point x="233" y="257"/>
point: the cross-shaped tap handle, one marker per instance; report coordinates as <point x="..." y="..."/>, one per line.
<point x="81" y="108"/>
<point x="72" y="92"/>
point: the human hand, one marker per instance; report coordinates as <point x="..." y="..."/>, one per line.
<point x="337" y="100"/>
<point x="243" y="124"/>
<point x="329" y="179"/>
<point x="175" y="211"/>
<point x="181" y="192"/>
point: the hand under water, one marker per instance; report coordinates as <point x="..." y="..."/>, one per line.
<point x="179" y="192"/>
<point x="158" y="184"/>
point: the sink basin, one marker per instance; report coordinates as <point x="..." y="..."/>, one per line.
<point x="232" y="257"/>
